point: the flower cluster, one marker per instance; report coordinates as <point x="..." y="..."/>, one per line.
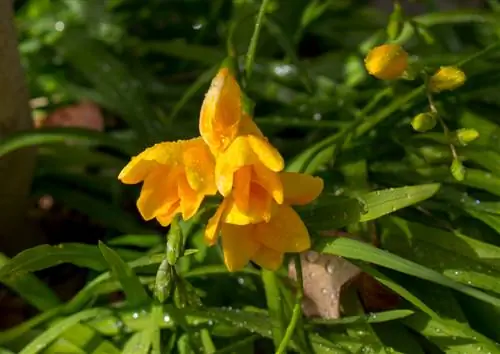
<point x="232" y="157"/>
<point x="390" y="62"/>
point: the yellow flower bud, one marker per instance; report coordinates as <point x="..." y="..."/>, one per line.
<point x="447" y="78"/>
<point x="387" y="62"/>
<point x="423" y="122"/>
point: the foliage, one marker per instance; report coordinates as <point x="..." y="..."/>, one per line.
<point x="148" y="63"/>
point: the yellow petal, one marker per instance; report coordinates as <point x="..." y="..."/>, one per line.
<point x="248" y="126"/>
<point x="238" y="245"/>
<point x="266" y="153"/>
<point x="299" y="188"/>
<point x="268" y="258"/>
<point x="190" y="199"/>
<point x="285" y="232"/>
<point x="221" y="111"/>
<point x="166" y="216"/>
<point x="270" y="181"/>
<point x="241" y="189"/>
<point x="136" y="170"/>
<point x="238" y="154"/>
<point x="244" y="151"/>
<point x="259" y="208"/>
<point x="168" y="153"/>
<point x="158" y="192"/>
<point x="199" y="166"/>
<point x="214" y="224"/>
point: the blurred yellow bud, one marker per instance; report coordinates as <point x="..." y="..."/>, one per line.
<point x="423" y="122"/>
<point x="387" y="61"/>
<point x="465" y="136"/>
<point x="447" y="78"/>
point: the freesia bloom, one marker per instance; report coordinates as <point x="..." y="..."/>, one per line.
<point x="220" y="113"/>
<point x="447" y="78"/>
<point x="387" y="61"/>
<point x="266" y="242"/>
<point x="177" y="176"/>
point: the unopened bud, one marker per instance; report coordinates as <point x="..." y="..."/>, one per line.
<point x="164" y="281"/>
<point x="466" y="136"/>
<point x="423" y="122"/>
<point x="457" y="170"/>
<point x="447" y="78"/>
<point x="387" y="62"/>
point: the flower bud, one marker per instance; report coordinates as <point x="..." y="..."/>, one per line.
<point x="164" y="281"/>
<point x="457" y="170"/>
<point x="465" y="136"/>
<point x="423" y="122"/>
<point x="175" y="242"/>
<point x="447" y="78"/>
<point x="387" y="62"/>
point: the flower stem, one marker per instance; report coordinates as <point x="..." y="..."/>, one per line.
<point x="297" y="308"/>
<point x="254" y="40"/>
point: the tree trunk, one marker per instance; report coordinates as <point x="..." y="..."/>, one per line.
<point x="16" y="169"/>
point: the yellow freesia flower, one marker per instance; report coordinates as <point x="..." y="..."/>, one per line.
<point x="177" y="176"/>
<point x="266" y="242"/>
<point x="387" y="61"/>
<point x="220" y="113"/>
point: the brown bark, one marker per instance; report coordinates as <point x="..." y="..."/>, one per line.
<point x="16" y="169"/>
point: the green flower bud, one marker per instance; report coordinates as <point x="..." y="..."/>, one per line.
<point x="164" y="281"/>
<point x="457" y="170"/>
<point x="175" y="242"/>
<point x="465" y="136"/>
<point x="423" y="122"/>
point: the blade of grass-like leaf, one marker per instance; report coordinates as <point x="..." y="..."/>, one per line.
<point x="358" y="250"/>
<point x="447" y="339"/>
<point x="139" y="343"/>
<point x="30" y="288"/>
<point x="377" y="317"/>
<point x="274" y="305"/>
<point x="145" y="241"/>
<point x="84" y="295"/>
<point x="382" y="202"/>
<point x="245" y="342"/>
<point x="86" y="338"/>
<point x="45" y="256"/>
<point x="453" y="326"/>
<point x="132" y="287"/>
<point x="44" y="339"/>
<point x="252" y="47"/>
<point x="61" y="135"/>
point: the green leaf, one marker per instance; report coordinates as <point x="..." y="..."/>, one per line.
<point x="30" y="288"/>
<point x="139" y="343"/>
<point x="132" y="287"/>
<point x="448" y="339"/>
<point x="144" y="241"/>
<point x="377" y="317"/>
<point x="274" y="305"/>
<point x="358" y="250"/>
<point x="53" y="332"/>
<point x="332" y="213"/>
<point x="386" y="201"/>
<point x="20" y="140"/>
<point x="45" y="256"/>
<point x="187" y="51"/>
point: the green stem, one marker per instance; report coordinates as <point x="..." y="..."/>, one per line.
<point x="297" y="308"/>
<point x="254" y="40"/>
